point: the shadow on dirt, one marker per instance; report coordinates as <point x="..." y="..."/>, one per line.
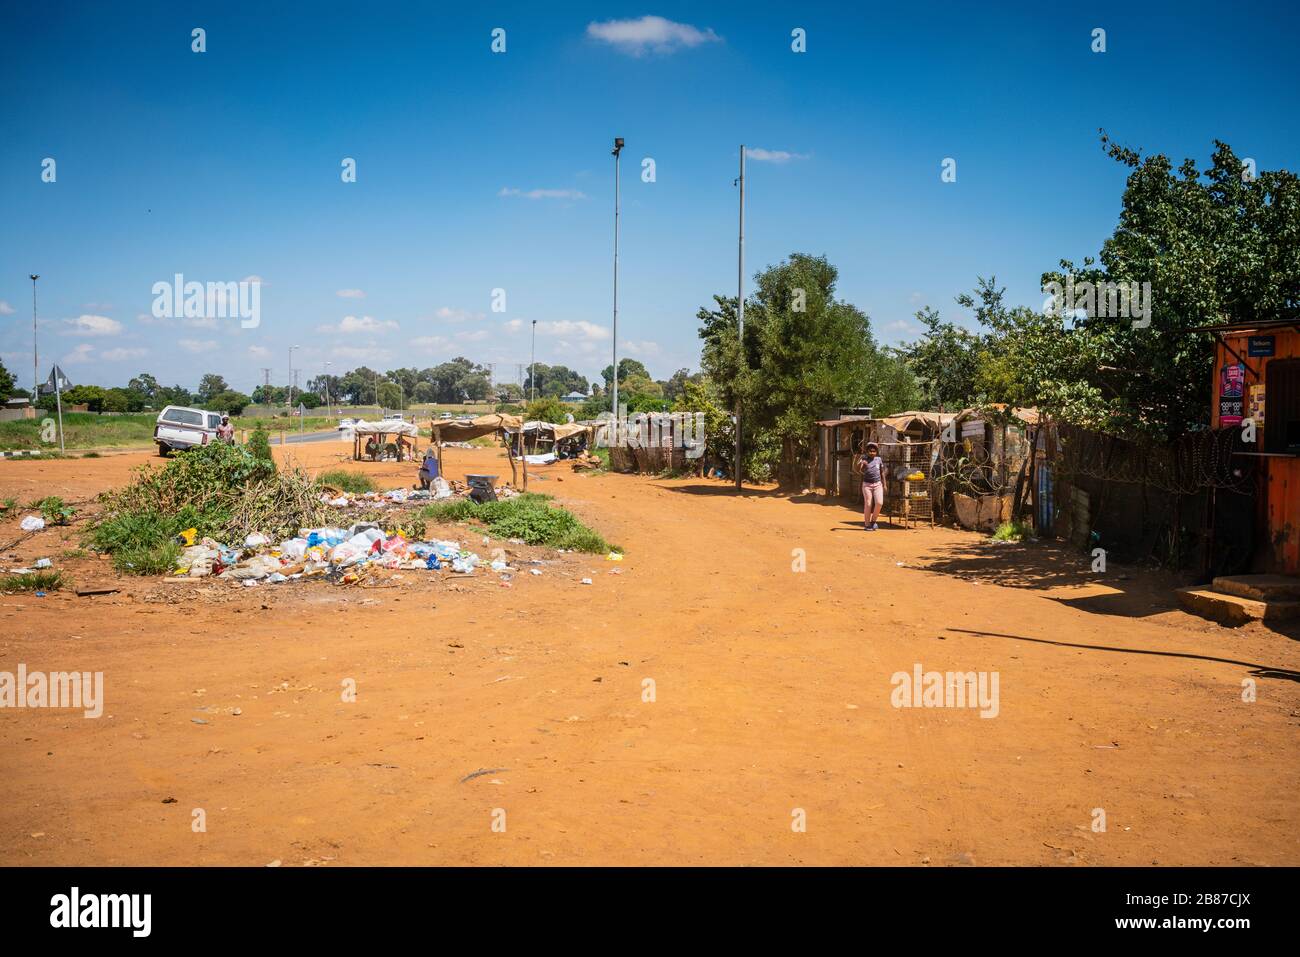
<point x="1257" y="670"/>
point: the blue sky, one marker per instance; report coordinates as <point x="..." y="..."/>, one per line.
<point x="479" y="170"/>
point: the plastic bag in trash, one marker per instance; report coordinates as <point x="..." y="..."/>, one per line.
<point x="348" y="553"/>
<point x="256" y="540"/>
<point x="293" y="548"/>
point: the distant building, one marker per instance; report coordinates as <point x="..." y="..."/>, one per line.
<point x="574" y="397"/>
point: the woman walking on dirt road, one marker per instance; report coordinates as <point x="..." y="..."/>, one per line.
<point x="873" y="485"/>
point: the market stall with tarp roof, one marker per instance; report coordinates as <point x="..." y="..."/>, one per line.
<point x="377" y="432"/>
<point x="466" y="429"/>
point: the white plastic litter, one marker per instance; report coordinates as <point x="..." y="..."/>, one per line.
<point x="32" y="523"/>
<point x="293" y="548"/>
<point x="256" y="540"/>
<point x="42" y="563"/>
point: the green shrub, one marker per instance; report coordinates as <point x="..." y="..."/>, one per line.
<point x="54" y="511"/>
<point x="222" y="491"/>
<point x="529" y="517"/>
<point x="1013" y="532"/>
<point x="259" y="446"/>
<point x="36" y="581"/>
<point x="353" y="482"/>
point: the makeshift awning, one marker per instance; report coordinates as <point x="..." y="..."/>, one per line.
<point x="462" y="430"/>
<point x="387" y="427"/>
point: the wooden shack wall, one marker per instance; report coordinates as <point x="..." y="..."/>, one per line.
<point x="1279" y="494"/>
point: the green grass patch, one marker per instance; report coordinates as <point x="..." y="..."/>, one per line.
<point x="81" y="430"/>
<point x="1013" y="532"/>
<point x="529" y="517"/>
<point x="354" y="483"/>
<point x="36" y="581"/>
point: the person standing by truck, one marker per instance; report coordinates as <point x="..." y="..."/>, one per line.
<point x="226" y="431"/>
<point x="873" y="485"/>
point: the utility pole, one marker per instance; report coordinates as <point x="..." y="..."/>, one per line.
<point x="613" y="405"/>
<point x="740" y="305"/>
<point x="289" y="402"/>
<point x="36" y="371"/>
<point x="532" y="368"/>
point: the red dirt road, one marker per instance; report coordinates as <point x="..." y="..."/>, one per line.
<point x="772" y="695"/>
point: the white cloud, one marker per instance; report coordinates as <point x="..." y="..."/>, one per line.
<point x="650" y="34"/>
<point x="431" y="343"/>
<point x="350" y="325"/>
<point x="370" y="353"/>
<point x="458" y="315"/>
<point x="259" y="352"/>
<point x="641" y="347"/>
<point x="80" y="354"/>
<point x="6" y="309"/>
<point x="351" y="294"/>
<point x="567" y="327"/>
<point x="89" y="325"/>
<point x="117" y="355"/>
<point x="149" y="319"/>
<point x="542" y="193"/>
<point x="760" y="155"/>
<point x="196" y="346"/>
<point x="478" y="335"/>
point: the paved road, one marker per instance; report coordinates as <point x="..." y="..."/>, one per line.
<point x="293" y="438"/>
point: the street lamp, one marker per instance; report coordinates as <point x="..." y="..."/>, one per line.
<point x="36" y="372"/>
<point x="290" y="403"/>
<point x="613" y="406"/>
<point x="740" y="305"/>
<point x="328" y="411"/>
<point x="532" y="368"/>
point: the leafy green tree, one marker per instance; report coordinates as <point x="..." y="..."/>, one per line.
<point x="547" y="410"/>
<point x="6" y="383"/>
<point x="145" y="384"/>
<point x="211" y="384"/>
<point x="1216" y="244"/>
<point x="805" y="352"/>
<point x="626" y="367"/>
<point x="390" y="395"/>
<point x="228" y="401"/>
<point x="92" y="396"/>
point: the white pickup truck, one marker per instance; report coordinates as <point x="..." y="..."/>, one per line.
<point x="180" y="427"/>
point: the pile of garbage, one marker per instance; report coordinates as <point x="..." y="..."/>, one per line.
<point x="439" y="490"/>
<point x="342" y="555"/>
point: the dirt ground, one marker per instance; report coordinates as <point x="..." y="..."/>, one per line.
<point x="771" y="686"/>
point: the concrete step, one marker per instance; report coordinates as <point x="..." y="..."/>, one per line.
<point x="1259" y="587"/>
<point x="1234" y="609"/>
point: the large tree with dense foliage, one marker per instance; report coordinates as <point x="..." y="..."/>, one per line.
<point x="805" y="354"/>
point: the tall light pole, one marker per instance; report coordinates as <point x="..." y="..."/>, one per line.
<point x="740" y="304"/>
<point x="36" y="372"/>
<point x="532" y="368"/>
<point x="289" y="403"/>
<point x="613" y="405"/>
<point x="328" y="411"/>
